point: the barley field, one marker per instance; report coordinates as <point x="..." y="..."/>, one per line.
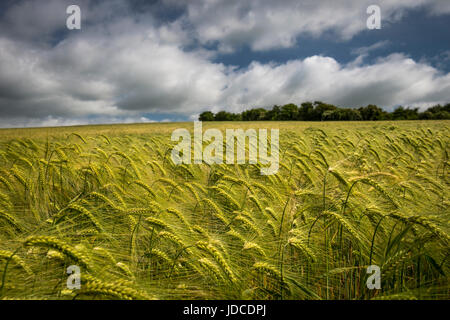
<point x="110" y="200"/>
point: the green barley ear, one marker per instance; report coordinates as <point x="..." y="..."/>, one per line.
<point x="218" y="257"/>
<point x="19" y="175"/>
<point x="231" y="201"/>
<point x="11" y="221"/>
<point x="6" y="183"/>
<point x="180" y="216"/>
<point x="125" y="269"/>
<point x="5" y="255"/>
<point x="161" y="255"/>
<point x="106" y="138"/>
<point x="255" y="200"/>
<point x="273" y="227"/>
<point x="146" y="187"/>
<point x="236" y="235"/>
<point x="191" y="188"/>
<point x="201" y="232"/>
<point x="264" y="189"/>
<point x="340" y="178"/>
<point x="211" y="269"/>
<point x="61" y="246"/>
<point x="428" y="224"/>
<point x="87" y="214"/>
<point x="248" y="223"/>
<point x="269" y="211"/>
<point x="303" y="248"/>
<point x="376" y="186"/>
<point x="216" y="210"/>
<point x="159" y="166"/>
<point x="267" y="268"/>
<point x="105" y="253"/>
<point x="171" y="237"/>
<point x="5" y="201"/>
<point x="79" y="137"/>
<point x="345" y="224"/>
<point x="251" y="246"/>
<point x="106" y="200"/>
<point x="157" y="223"/>
<point x="117" y="290"/>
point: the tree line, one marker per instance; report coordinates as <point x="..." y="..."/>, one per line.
<point x="319" y="111"/>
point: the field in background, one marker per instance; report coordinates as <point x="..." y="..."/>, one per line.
<point x="109" y="200"/>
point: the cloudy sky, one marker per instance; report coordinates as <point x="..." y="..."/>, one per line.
<point x="169" y="60"/>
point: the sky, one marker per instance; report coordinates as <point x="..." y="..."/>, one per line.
<point x="170" y="60"/>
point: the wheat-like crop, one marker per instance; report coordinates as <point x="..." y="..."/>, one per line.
<point x="112" y="202"/>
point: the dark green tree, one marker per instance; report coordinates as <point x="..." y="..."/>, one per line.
<point x="305" y="111"/>
<point x="289" y="112"/>
<point x="227" y="116"/>
<point x="274" y="114"/>
<point x="206" y="116"/>
<point x="257" y="114"/>
<point x="320" y="108"/>
<point x="372" y="113"/>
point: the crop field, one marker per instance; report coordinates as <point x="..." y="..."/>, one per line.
<point x="109" y="200"/>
